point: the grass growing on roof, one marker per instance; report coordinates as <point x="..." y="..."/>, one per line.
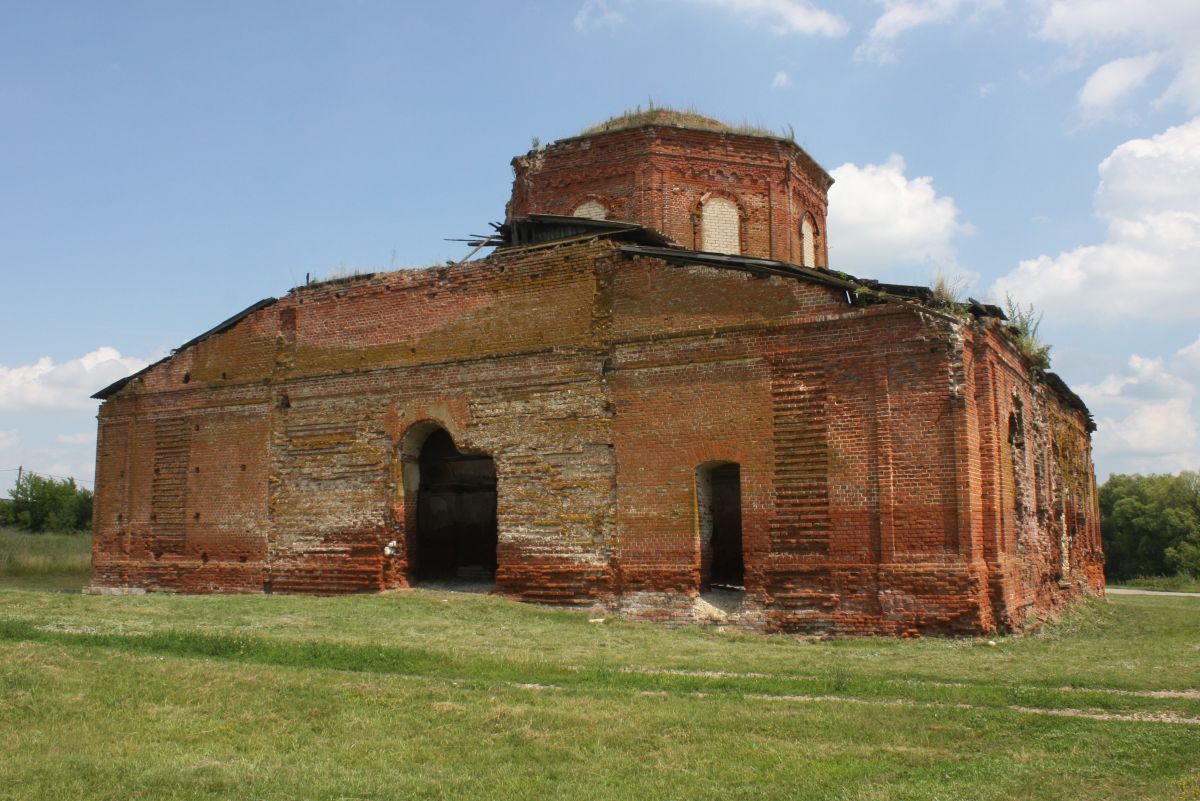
<point x="678" y="118"/>
<point x="1024" y="322"/>
<point x="948" y="293"/>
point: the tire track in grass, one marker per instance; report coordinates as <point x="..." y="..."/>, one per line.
<point x="1090" y="714"/>
<point x="416" y="662"/>
<point x="717" y="674"/>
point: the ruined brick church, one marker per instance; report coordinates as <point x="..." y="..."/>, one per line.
<point x="654" y="387"/>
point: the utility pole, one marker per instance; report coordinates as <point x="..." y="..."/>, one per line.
<point x="20" y="472"/>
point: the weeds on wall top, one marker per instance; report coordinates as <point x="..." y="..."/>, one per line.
<point x="681" y="118"/>
<point x="340" y="275"/>
<point x="948" y="294"/>
<point x="1023" y="324"/>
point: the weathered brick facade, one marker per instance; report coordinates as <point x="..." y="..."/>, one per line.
<point x="899" y="468"/>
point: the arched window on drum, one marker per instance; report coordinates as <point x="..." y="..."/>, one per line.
<point x="808" y="241"/>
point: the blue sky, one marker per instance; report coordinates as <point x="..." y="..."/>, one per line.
<point x="165" y="164"/>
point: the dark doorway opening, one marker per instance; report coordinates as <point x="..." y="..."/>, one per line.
<point x="719" y="489"/>
<point x="456" y="513"/>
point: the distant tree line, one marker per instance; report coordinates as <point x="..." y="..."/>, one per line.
<point x="41" y="503"/>
<point x="1150" y="525"/>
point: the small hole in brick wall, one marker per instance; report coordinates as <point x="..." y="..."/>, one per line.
<point x="156" y="471"/>
<point x="196" y="516"/>
<point x="197" y="428"/>
<point x="223" y="376"/>
<point x="242" y="558"/>
<point x="284" y="402"/>
<point x="187" y="377"/>
<point x="204" y="558"/>
<point x="157" y="555"/>
<point x="243" y="468"/>
<point x="153" y="517"/>
<point x="118" y="517"/>
<point x="197" y="469"/>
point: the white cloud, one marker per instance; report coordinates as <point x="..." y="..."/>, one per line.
<point x="60" y="470"/>
<point x="1087" y="22"/>
<point x="37" y="452"/>
<point x="1169" y="26"/>
<point x="1187" y="362"/>
<point x="1160" y="435"/>
<point x="1146" y="416"/>
<point x="1113" y="82"/>
<point x="778" y="16"/>
<point x="69" y="385"/>
<point x="597" y="14"/>
<point x="881" y="221"/>
<point x="783" y="16"/>
<point x="781" y="80"/>
<point x="1149" y="195"/>
<point x="901" y="16"/>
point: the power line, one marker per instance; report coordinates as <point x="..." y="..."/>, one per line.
<point x="44" y="475"/>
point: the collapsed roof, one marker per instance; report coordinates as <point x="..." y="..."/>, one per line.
<point x="634" y="240"/>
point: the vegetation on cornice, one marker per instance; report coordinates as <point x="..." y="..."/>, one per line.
<point x="947" y="294"/>
<point x="1023" y="324"/>
<point x="679" y="118"/>
<point x="340" y="275"/>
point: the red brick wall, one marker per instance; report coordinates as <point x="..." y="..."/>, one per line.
<point x="1037" y="499"/>
<point x="659" y="176"/>
<point x="880" y="491"/>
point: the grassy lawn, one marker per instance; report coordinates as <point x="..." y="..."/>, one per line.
<point x="431" y="694"/>
<point x="60" y="562"/>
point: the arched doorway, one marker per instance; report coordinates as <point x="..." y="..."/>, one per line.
<point x="719" y="512"/>
<point x="456" y="513"/>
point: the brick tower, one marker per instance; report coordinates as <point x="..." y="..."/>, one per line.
<point x="705" y="184"/>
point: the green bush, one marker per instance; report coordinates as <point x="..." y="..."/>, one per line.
<point x="47" y="504"/>
<point x="1150" y="525"/>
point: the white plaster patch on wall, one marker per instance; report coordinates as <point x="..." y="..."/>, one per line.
<point x="720" y="226"/>
<point x="591" y="209"/>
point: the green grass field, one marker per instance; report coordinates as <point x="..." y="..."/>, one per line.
<point x="44" y="561"/>
<point x="441" y="695"/>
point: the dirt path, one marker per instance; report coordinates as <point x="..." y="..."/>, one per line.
<point x="1131" y="591"/>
